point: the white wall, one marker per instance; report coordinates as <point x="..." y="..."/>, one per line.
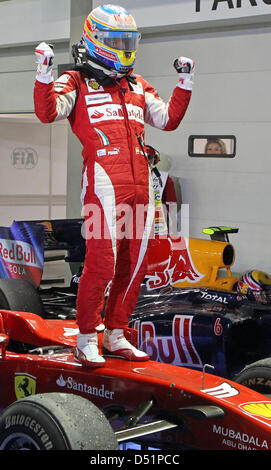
<point x="31" y="21"/>
<point x="33" y="169"/>
<point x="158" y="15"/>
<point x="23" y="24"/>
<point x="231" y="96"/>
<point x="38" y="192"/>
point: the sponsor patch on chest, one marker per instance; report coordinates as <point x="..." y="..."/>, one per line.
<point x="98" y="98"/>
<point x="104" y="152"/>
<point x="115" y="112"/>
<point x="93" y="86"/>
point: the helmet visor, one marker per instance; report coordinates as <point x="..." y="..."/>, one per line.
<point x="121" y="40"/>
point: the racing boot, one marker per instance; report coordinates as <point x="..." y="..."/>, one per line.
<point x="114" y="343"/>
<point x="87" y="351"/>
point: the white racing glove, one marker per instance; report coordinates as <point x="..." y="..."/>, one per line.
<point x="185" y="68"/>
<point x="44" y="55"/>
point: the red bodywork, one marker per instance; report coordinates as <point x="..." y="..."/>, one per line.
<point x="245" y="424"/>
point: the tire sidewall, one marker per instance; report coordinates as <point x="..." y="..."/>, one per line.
<point x="34" y="422"/>
<point x="256" y="377"/>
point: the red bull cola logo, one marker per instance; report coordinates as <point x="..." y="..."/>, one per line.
<point x="170" y="262"/>
<point x="17" y="252"/>
<point x="20" y="260"/>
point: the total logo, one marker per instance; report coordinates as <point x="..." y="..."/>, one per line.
<point x="115" y="112"/>
<point x="71" y="384"/>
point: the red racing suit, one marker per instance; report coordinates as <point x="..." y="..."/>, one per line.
<point x="116" y="180"/>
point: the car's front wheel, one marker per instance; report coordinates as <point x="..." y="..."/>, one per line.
<point x="55" y="421"/>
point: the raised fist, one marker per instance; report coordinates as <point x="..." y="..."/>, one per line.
<point x="44" y="54"/>
<point x="185" y="68"/>
<point x="184" y="65"/>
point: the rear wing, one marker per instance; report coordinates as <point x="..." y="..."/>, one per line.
<point x="220" y="233"/>
<point x="24" y="246"/>
<point x="64" y="234"/>
<point x="21" y="252"/>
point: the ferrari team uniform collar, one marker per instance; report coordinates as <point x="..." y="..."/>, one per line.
<point x="104" y="76"/>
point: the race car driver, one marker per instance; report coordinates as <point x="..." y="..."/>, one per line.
<point x="256" y="285"/>
<point x="107" y="106"/>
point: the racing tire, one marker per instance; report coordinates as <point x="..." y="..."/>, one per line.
<point x="55" y="421"/>
<point x="256" y="376"/>
<point x="20" y="295"/>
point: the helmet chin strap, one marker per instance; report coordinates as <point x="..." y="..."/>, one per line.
<point x="107" y="71"/>
<point x="90" y="66"/>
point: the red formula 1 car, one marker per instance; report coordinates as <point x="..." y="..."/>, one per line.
<point x="49" y="401"/>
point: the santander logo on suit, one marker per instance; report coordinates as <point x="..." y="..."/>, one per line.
<point x="114" y="112"/>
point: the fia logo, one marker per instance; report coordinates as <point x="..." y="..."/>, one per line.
<point x="24" y="158"/>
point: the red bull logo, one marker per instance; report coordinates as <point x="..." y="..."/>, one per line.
<point x="20" y="260"/>
<point x="19" y="252"/>
<point x="177" y="349"/>
<point x="170" y="262"/>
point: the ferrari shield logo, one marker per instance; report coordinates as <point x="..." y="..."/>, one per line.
<point x="25" y="385"/>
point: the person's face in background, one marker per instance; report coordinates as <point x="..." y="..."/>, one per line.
<point x="214" y="148"/>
